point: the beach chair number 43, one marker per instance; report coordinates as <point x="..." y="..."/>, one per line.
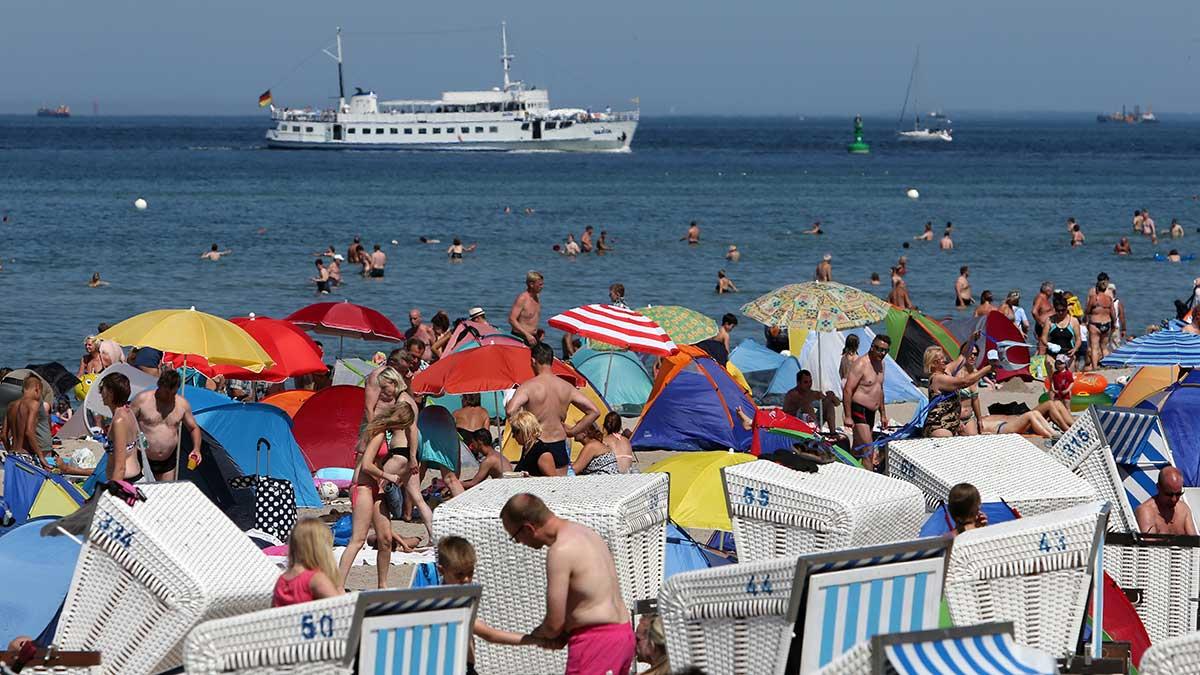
<point x="309" y="628"/>
<point x="754" y="588"/>
<point x="116" y="530"/>
<point x="1053" y="541"/>
<point x="762" y="497"/>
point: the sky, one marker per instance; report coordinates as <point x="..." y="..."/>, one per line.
<point x="756" y="57"/>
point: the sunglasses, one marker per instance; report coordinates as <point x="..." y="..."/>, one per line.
<point x="1171" y="494"/>
<point x="879" y="350"/>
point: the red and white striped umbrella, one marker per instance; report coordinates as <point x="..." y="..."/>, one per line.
<point x="624" y="328"/>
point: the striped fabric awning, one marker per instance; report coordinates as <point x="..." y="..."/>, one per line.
<point x="1164" y="348"/>
<point x="995" y="654"/>
<point x="616" y="326"/>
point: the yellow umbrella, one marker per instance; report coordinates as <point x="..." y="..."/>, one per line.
<point x="186" y="331"/>
<point x="697" y="493"/>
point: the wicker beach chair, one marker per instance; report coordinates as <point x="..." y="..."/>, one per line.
<point x="1161" y="574"/>
<point x="148" y="573"/>
<point x="628" y="511"/>
<point x="742" y="618"/>
<point x="986" y="649"/>
<point x="392" y="631"/>
<point x="1003" y="467"/>
<point x="777" y="511"/>
<point x="1034" y="572"/>
<point x="1172" y="657"/>
<point x="1119" y="452"/>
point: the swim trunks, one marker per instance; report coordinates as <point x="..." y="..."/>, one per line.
<point x="557" y="449"/>
<point x="605" y="648"/>
<point x="161" y="466"/>
<point x="861" y="414"/>
<point x="376" y="272"/>
<point x="323" y="286"/>
<point x="960" y="302"/>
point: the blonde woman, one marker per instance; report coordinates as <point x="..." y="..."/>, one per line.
<point x="945" y="417"/>
<point x="311" y="573"/>
<point x="526" y="430"/>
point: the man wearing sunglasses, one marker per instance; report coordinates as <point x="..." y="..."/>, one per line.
<point x="862" y="397"/>
<point x="1166" y="512"/>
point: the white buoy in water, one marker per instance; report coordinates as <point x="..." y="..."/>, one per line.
<point x="395" y="243"/>
<point x="912" y="193"/>
<point x="140" y="204"/>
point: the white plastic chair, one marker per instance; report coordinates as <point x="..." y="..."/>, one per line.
<point x="778" y="511"/>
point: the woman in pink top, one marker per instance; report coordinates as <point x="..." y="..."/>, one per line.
<point x="311" y="570"/>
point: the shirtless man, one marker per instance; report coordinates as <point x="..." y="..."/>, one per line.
<point x="824" y="270"/>
<point x="25" y="419"/>
<point x="160" y="414"/>
<point x="801" y="400"/>
<point x="733" y="254"/>
<point x="322" y="278"/>
<point x="584" y="608"/>
<point x="862" y="397"/>
<point x="693" y="234"/>
<point x="526" y="310"/>
<point x="548" y="396"/>
<point x="728" y="323"/>
<point x="491" y="463"/>
<point x="1099" y="320"/>
<point x="602" y="244"/>
<point x="1043" y="306"/>
<point x="985" y="304"/>
<point x="355" y="252"/>
<point x="378" y="262"/>
<point x="215" y="253"/>
<point x="417" y="328"/>
<point x="585" y="240"/>
<point x="1123" y="247"/>
<point x="927" y="235"/>
<point x="1166" y="512"/>
<point x="962" y="288"/>
<point x="899" y="294"/>
<point x="946" y="244"/>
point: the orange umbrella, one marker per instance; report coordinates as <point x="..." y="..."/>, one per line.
<point x="289" y="401"/>
<point x="487" y="368"/>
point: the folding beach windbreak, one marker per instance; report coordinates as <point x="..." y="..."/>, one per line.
<point x="912" y="333"/>
<point x="32" y="492"/>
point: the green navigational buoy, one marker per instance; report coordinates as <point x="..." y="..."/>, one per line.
<point x="858" y="147"/>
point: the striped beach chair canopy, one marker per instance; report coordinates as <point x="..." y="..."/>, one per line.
<point x="420" y="631"/>
<point x="987" y="649"/>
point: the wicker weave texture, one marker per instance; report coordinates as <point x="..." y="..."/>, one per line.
<point x="149" y="573"/>
<point x="856" y="661"/>
<point x="308" y="636"/>
<point x="1003" y="466"/>
<point x="628" y="511"/>
<point x="1034" y="572"/>
<point x="1084" y="451"/>
<point x="1169" y="580"/>
<point x="777" y="511"/>
<point x="1176" y="656"/>
<point x="730" y="619"/>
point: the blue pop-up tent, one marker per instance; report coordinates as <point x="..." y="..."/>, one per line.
<point x="757" y="364"/>
<point x="619" y="376"/>
<point x="1177" y="406"/>
<point x="37" y="571"/>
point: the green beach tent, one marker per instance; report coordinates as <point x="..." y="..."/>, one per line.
<point x="912" y="333"/>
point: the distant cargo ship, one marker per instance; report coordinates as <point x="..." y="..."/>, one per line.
<point x="60" y="111"/>
<point x="1137" y="117"/>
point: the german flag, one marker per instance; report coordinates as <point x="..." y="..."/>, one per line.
<point x="265" y="99"/>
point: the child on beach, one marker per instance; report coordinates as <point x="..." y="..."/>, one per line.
<point x="1062" y="380"/>
<point x="311" y="570"/>
<point x="456" y="565"/>
<point x="964" y="507"/>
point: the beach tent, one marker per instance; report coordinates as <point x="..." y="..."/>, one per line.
<point x="1177" y="406"/>
<point x="13" y="386"/>
<point x="1146" y="381"/>
<point x="822" y="355"/>
<point x="619" y="376"/>
<point x="37" y="571"/>
<point x="684" y="554"/>
<point x="60" y="379"/>
<point x="83" y="417"/>
<point x="512" y="450"/>
<point x="32" y="492"/>
<point x="289" y="401"/>
<point x="757" y="364"/>
<point x="203" y="399"/>
<point x="912" y="333"/>
<point x="352" y="371"/>
<point x="327" y="426"/>
<point x="238" y="428"/>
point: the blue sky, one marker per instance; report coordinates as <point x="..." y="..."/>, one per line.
<point x="698" y="57"/>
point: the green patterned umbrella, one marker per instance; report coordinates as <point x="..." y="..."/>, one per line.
<point x="824" y="306"/>
<point x="684" y="326"/>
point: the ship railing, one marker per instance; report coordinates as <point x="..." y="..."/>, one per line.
<point x="287" y="115"/>
<point x="622" y="116"/>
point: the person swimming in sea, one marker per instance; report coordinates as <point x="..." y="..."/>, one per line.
<point x="96" y="282"/>
<point x="1123" y="247"/>
<point x="725" y="284"/>
<point x="426" y="240"/>
<point x="815" y="229"/>
<point x="456" y="250"/>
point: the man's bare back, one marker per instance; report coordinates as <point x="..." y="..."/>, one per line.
<point x="580" y="559"/>
<point x="547" y="396"/>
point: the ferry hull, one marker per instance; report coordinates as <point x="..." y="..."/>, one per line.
<point x="581" y="137"/>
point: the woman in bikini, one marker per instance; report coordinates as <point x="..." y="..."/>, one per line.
<point x="945" y="417"/>
<point x="617" y="442"/>
<point x="1099" y="314"/>
<point x="366" y="495"/>
<point x="123" y="456"/>
<point x="595" y="457"/>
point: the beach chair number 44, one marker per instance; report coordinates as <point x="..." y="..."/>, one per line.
<point x="116" y="530"/>
<point x="763" y="497"/>
<point x="309" y="628"/>
<point x="1053" y="541"/>
<point x="754" y="588"/>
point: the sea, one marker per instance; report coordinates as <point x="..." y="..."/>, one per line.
<point x="1008" y="184"/>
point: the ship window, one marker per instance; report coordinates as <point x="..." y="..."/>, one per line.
<point x="295" y="128"/>
<point x="282" y="127"/>
<point x="437" y="130"/>
<point x="465" y="130"/>
<point x="479" y="130"/>
<point x="379" y="131"/>
<point x="408" y="131"/>
<point x="524" y="126"/>
<point x="421" y="130"/>
<point x="492" y="130"/>
<point x="564" y="125"/>
<point x="308" y="129"/>
<point x="352" y="130"/>
<point x="551" y="125"/>
<point x="449" y="130"/>
<point x="395" y="130"/>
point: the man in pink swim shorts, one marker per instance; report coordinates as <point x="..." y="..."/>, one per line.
<point x="583" y="598"/>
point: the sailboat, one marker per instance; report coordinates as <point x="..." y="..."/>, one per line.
<point x="919" y="131"/>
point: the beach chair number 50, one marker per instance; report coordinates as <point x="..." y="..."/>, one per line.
<point x="323" y="625"/>
<point x="1053" y="541"/>
<point x="116" y="530"/>
<point x="762" y="498"/>
<point x="755" y="588"/>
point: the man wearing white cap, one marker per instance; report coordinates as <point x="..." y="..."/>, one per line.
<point x="824" y="269"/>
<point x="479" y="318"/>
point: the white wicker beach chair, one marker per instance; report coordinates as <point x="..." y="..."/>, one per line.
<point x="1003" y="467"/>
<point x="393" y="631"/>
<point x="628" y="511"/>
<point x="742" y="618"/>
<point x="1172" y="657"/>
<point x="987" y="649"/>
<point x="1119" y="452"/>
<point x="778" y="511"/>
<point x="150" y="572"/>
<point x="1034" y="572"/>
<point x="1162" y="574"/>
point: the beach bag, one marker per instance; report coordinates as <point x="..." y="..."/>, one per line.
<point x="274" y="498"/>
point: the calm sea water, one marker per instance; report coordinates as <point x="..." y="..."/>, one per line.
<point x="67" y="187"/>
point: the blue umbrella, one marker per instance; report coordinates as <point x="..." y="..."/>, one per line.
<point x="1164" y="348"/>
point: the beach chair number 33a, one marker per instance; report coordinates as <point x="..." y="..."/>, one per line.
<point x="116" y="530"/>
<point x="309" y="628"/>
<point x="1053" y="541"/>
<point x="762" y="497"/>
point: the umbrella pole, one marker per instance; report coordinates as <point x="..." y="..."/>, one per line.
<point x="179" y="434"/>
<point x="607" y="373"/>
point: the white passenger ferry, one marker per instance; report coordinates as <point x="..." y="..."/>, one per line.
<point x="512" y="117"/>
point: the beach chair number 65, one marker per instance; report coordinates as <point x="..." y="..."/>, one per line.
<point x="309" y="629"/>
<point x="1053" y="541"/>
<point x="763" y="498"/>
<point x="764" y="587"/>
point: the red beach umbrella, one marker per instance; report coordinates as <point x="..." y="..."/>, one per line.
<point x="487" y="368"/>
<point x="292" y="350"/>
<point x="617" y="326"/>
<point x="346" y="320"/>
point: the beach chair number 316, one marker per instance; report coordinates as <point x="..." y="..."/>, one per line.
<point x="1053" y="541"/>
<point x="763" y="497"/>
<point x="323" y="625"/>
